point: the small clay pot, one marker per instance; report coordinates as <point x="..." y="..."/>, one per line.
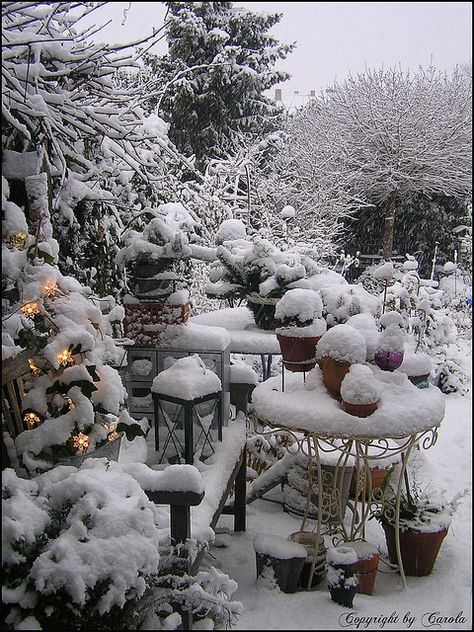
<point x="359" y="410"/>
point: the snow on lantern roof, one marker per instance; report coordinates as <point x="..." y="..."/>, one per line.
<point x="188" y="378"/>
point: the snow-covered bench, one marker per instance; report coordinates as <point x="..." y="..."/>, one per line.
<point x="197" y="495"/>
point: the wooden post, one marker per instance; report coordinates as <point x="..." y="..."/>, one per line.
<point x="389" y="228"/>
<point x="240" y="494"/>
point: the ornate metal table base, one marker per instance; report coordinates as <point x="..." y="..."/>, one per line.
<point x="325" y="485"/>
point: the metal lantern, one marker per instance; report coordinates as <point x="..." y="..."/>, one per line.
<point x="187" y="428"/>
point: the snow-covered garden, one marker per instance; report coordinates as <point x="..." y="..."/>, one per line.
<point x="194" y="323"/>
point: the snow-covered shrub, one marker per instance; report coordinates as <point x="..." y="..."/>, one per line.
<point x="256" y="271"/>
<point x="79" y="547"/>
<point x="83" y="548"/>
<point x="73" y="400"/>
<point x="341" y="301"/>
<point x="421" y="508"/>
<point x="359" y="386"/>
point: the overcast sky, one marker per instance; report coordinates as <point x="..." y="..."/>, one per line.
<point x="335" y="38"/>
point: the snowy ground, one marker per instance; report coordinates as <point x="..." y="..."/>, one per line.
<point x="446" y="592"/>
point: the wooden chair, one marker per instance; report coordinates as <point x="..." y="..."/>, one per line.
<point x="13" y="372"/>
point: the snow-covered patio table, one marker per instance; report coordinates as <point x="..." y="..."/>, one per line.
<point x="245" y="336"/>
<point x="406" y="417"/>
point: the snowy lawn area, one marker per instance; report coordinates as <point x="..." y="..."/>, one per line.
<point x="444" y="596"/>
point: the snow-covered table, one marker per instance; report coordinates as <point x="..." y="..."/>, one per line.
<point x="407" y="416"/>
<point x="245" y="336"/>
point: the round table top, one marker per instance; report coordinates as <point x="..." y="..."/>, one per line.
<point x="306" y="406"/>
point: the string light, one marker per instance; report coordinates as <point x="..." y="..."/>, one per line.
<point x="30" y="310"/>
<point x="70" y="404"/>
<point x="17" y="240"/>
<point x="113" y="434"/>
<point x="65" y="358"/>
<point x="32" y="419"/>
<point x="50" y="289"/>
<point x="33" y="368"/>
<point x="81" y="442"/>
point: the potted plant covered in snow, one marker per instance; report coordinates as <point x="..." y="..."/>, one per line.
<point x="359" y="391"/>
<point x="299" y="312"/>
<point x="424" y="521"/>
<point x="417" y="366"/>
<point x="256" y="272"/>
<point x="151" y="256"/>
<point x="390" y="344"/>
<point x="336" y="350"/>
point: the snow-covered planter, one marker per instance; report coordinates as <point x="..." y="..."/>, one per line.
<point x="359" y="391"/>
<point x="390" y="344"/>
<point x="424" y="522"/>
<point x="151" y="255"/>
<point x="342" y="582"/>
<point x="283" y="558"/>
<point x="257" y="272"/>
<point x="146" y="323"/>
<point x="418" y="368"/>
<point x="336" y="350"/>
<point x="299" y="312"/>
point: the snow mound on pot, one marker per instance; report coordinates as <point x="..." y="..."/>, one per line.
<point x="359" y="386"/>
<point x="300" y="305"/>
<point x="342" y="343"/>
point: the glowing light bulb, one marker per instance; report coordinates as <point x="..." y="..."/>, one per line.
<point x="30" y="310"/>
<point x="31" y="419"/>
<point x="50" y="289"/>
<point x="65" y="358"/>
<point x="81" y="442"/>
<point x="33" y="368"/>
<point x="17" y="240"/>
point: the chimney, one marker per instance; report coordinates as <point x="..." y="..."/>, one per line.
<point x="277" y="94"/>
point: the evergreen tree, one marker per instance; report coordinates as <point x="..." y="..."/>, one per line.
<point x="211" y="83"/>
<point x="422" y="222"/>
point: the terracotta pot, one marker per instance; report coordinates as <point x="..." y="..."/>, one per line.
<point x="388" y="360"/>
<point x="299" y="354"/>
<point x="377" y="477"/>
<point x="366" y="572"/>
<point x="359" y="410"/>
<point x="419" y="549"/>
<point x="333" y="374"/>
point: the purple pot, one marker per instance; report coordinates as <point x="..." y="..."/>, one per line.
<point x="388" y="360"/>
